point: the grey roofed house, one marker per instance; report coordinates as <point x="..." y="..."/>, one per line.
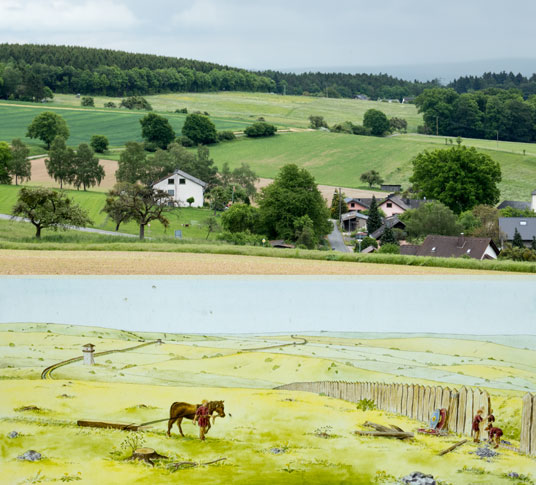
<point x="393" y="222"/>
<point x="391" y="187"/>
<point x="409" y="249"/>
<point x="186" y="176"/>
<point x="526" y="226"/>
<point x="352" y="220"/>
<point x="514" y="204"/>
<point x="457" y="246"/>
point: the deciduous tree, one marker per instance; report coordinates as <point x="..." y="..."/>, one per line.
<point x="60" y="161"/>
<point x="200" y="129"/>
<point x="5" y="163"/>
<point x="46" y="126"/>
<point x="87" y="171"/>
<point x="156" y="129"/>
<point x="459" y="177"/>
<point x="21" y="166"/>
<point x="99" y="143"/>
<point x="371" y="178"/>
<point x="47" y="208"/>
<point x="431" y="218"/>
<point x="376" y="121"/>
<point x="141" y="203"/>
<point x="293" y="194"/>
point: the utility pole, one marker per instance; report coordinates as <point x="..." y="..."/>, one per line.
<point x="340" y="205"/>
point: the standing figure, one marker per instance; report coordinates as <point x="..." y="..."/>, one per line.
<point x="202" y="418"/>
<point x="476" y="426"/>
<point x="495" y="435"/>
<point x="491" y="420"/>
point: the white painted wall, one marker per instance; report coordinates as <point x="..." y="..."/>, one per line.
<point x="533" y="203"/>
<point x="182" y="191"/>
<point x="490" y="252"/>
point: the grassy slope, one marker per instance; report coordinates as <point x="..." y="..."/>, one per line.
<point x="93" y="202"/>
<point x="261" y="419"/>
<point x="339" y="160"/>
<point x="283" y="110"/>
<point x="119" y="126"/>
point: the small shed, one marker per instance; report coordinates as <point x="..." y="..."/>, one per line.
<point x="87" y="351"/>
<point x="391" y="187"/>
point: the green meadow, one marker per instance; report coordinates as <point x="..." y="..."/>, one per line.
<point x="339" y="159"/>
<point x="189" y="220"/>
<point x="120" y="126"/>
<point x="285" y="111"/>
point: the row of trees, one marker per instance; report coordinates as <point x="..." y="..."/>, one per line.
<point x="500" y="80"/>
<point x="492" y="113"/>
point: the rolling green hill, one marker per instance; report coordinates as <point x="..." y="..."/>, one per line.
<point x="339" y="160"/>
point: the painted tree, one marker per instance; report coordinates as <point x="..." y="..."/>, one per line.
<point x="60" y="161"/>
<point x="142" y="204"/>
<point x="21" y="167"/>
<point x="374" y="220"/>
<point x="87" y="171"/>
<point x="46" y="126"/>
<point x="48" y="208"/>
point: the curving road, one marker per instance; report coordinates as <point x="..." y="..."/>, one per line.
<point x="336" y="240"/>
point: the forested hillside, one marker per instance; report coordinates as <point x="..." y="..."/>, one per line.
<point x="26" y="70"/>
<point x="501" y="80"/>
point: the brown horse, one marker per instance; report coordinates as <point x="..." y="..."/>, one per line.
<point x="181" y="410"/>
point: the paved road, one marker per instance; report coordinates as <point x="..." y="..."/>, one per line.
<point x="336" y="241"/>
<point x="74" y="228"/>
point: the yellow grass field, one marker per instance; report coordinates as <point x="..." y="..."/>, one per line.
<point x="267" y="435"/>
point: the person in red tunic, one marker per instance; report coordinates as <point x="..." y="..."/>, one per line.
<point x="476" y="426"/>
<point x="202" y="419"/>
<point x="491" y="420"/>
<point x="495" y="435"/>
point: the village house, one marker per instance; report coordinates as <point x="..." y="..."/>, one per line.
<point x="526" y="226"/>
<point x="392" y="222"/>
<point x="520" y="204"/>
<point x="453" y="247"/>
<point x="393" y="204"/>
<point x="182" y="186"/>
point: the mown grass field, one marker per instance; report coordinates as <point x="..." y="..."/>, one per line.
<point x="339" y="160"/>
<point x="285" y="111"/>
<point x="267" y="435"/>
<point x="188" y="220"/>
<point x="119" y="125"/>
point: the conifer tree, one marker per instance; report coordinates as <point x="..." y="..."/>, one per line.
<point x="388" y="237"/>
<point x="374" y="220"/>
<point x="517" y="241"/>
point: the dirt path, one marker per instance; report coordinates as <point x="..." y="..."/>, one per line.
<point x="35" y="262"/>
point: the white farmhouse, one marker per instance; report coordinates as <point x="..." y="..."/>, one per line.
<point x="181" y="186"/>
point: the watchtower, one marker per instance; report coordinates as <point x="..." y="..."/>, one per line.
<point x="87" y="351"/>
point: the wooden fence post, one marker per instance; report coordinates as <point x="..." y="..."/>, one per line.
<point x="533" y="428"/>
<point x="404" y="400"/>
<point x="462" y="409"/>
<point x="526" y="424"/>
<point x="415" y="404"/>
<point x="469" y="411"/>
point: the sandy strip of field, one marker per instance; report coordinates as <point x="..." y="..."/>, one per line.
<point x="29" y="262"/>
<point x="40" y="175"/>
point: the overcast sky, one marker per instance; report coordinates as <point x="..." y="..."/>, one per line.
<point x="283" y="34"/>
<point x="248" y="304"/>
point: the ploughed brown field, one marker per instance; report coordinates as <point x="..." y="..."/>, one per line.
<point x="36" y="262"/>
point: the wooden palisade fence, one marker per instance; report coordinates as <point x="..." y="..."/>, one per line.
<point x="411" y="400"/>
<point x="419" y="402"/>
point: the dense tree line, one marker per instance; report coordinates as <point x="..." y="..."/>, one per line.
<point x="501" y="80"/>
<point x="341" y="85"/>
<point x="27" y="71"/>
<point x="490" y="113"/>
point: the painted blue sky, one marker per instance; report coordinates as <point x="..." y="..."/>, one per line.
<point x="469" y="305"/>
<point x="283" y="34"/>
